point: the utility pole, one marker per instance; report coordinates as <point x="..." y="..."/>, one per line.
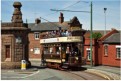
<point x="105" y="20"/>
<point x="91" y="61"/>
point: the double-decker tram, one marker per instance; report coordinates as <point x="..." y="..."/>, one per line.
<point x="63" y="51"/>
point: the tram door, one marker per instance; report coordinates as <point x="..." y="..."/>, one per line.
<point x="67" y="53"/>
<point x="7" y="51"/>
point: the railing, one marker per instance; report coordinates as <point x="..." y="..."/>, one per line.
<point x="54" y="34"/>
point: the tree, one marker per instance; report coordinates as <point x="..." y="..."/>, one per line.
<point x="96" y="35"/>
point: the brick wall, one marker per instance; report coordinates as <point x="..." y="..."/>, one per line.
<point x="32" y="44"/>
<point x="94" y="51"/>
<point x="110" y="59"/>
<point x="99" y="57"/>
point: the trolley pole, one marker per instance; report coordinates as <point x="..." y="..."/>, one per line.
<point x="91" y="61"/>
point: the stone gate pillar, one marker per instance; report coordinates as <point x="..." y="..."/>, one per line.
<point x="14" y="40"/>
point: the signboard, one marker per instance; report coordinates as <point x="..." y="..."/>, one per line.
<point x="62" y="39"/>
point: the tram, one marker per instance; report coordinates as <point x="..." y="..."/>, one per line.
<point x="62" y="51"/>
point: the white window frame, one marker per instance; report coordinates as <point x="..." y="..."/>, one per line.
<point x="118" y="51"/>
<point x="36" y="50"/>
<point x="88" y="50"/>
<point x="106" y="49"/>
<point x="36" y="35"/>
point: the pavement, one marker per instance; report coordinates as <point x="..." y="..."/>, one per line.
<point x="115" y="70"/>
<point x="113" y="73"/>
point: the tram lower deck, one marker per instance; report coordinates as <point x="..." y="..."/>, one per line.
<point x="62" y="55"/>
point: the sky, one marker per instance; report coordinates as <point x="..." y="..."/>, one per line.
<point x="32" y="9"/>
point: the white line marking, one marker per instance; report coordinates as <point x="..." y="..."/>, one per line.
<point x="31" y="74"/>
<point x="24" y="76"/>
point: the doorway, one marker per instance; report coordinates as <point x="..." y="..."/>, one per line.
<point x="7" y="51"/>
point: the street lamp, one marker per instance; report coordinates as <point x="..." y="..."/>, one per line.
<point x="105" y="20"/>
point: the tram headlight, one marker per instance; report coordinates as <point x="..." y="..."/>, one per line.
<point x="63" y="60"/>
<point x="76" y="58"/>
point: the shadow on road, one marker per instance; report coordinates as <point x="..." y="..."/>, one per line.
<point x="79" y="69"/>
<point x="38" y="67"/>
<point x="69" y="69"/>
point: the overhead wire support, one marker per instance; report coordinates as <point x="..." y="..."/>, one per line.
<point x="68" y="6"/>
<point x="69" y="10"/>
<point x="91" y="28"/>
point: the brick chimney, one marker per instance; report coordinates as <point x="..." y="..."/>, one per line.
<point x="37" y="21"/>
<point x="61" y="18"/>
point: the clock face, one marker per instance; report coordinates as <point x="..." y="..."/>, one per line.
<point x="18" y="39"/>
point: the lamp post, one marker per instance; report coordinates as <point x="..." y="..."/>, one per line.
<point x="105" y="20"/>
<point x="91" y="61"/>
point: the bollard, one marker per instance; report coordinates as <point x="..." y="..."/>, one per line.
<point x="23" y="64"/>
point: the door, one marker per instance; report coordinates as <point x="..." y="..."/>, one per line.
<point x="7" y="51"/>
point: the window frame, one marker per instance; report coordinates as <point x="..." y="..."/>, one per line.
<point x="38" y="52"/>
<point x="105" y="49"/>
<point x="88" y="50"/>
<point x="36" y="35"/>
<point x="118" y="52"/>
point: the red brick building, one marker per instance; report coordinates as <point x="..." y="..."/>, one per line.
<point x="106" y="50"/>
<point x="99" y="45"/>
<point x="38" y="28"/>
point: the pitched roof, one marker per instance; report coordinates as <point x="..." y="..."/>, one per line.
<point x="74" y="18"/>
<point x="114" y="38"/>
<point x="109" y="34"/>
<point x="48" y="26"/>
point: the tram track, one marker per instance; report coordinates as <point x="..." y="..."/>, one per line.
<point x="81" y="75"/>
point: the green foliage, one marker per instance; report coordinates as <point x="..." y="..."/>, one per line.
<point x="96" y="35"/>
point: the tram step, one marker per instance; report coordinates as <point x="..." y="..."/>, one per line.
<point x="65" y="63"/>
<point x="65" y="67"/>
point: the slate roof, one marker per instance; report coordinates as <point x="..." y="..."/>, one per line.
<point x="44" y="26"/>
<point x="114" y="38"/>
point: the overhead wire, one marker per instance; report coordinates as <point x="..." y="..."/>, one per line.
<point x="64" y="8"/>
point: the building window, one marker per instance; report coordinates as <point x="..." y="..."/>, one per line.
<point x="106" y="49"/>
<point x="18" y="39"/>
<point x="36" y="35"/>
<point x="118" y="51"/>
<point x="36" y="50"/>
<point x="88" y="53"/>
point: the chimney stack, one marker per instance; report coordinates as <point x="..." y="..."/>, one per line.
<point x="61" y="18"/>
<point x="37" y="21"/>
